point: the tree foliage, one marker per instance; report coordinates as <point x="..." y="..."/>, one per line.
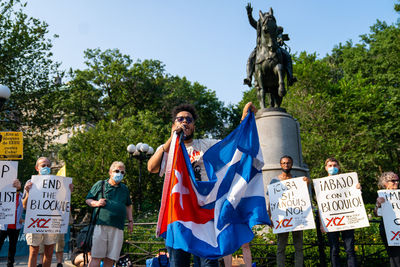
<point x="120" y="102"/>
<point x="27" y="68"/>
<point x="90" y="153"/>
<point x="113" y="87"/>
<point x="347" y="105"/>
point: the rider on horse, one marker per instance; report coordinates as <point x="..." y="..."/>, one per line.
<point x="287" y="59"/>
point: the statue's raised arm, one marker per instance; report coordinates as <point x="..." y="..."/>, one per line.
<point x="252" y="21"/>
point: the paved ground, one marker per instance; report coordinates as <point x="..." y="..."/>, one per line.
<point x="23" y="261"/>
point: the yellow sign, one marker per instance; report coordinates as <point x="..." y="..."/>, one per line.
<point x="62" y="171"/>
<point x="11" y="146"/>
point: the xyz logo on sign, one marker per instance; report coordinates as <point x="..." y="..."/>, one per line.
<point x="395" y="235"/>
<point x="39" y="223"/>
<point x="284" y="223"/>
<point x="335" y="221"/>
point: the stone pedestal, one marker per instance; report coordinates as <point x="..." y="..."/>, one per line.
<point x="279" y="135"/>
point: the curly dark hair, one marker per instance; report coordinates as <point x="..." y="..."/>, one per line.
<point x="286" y="157"/>
<point x="184" y="107"/>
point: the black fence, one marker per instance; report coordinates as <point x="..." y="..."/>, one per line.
<point x="142" y="244"/>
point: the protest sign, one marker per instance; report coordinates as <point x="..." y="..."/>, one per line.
<point x="390" y="211"/>
<point x="11" y="146"/>
<point x="290" y="206"/>
<point x="340" y="203"/>
<point x="8" y="193"/>
<point x="48" y="205"/>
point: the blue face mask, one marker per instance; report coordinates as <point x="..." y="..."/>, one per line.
<point x="44" y="171"/>
<point x="333" y="170"/>
<point x="117" y="177"/>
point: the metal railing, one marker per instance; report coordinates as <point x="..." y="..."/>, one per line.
<point x="142" y="244"/>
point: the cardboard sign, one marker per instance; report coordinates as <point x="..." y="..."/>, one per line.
<point x="48" y="205"/>
<point x="340" y="203"/>
<point x="390" y="211"/>
<point x="11" y="146"/>
<point x="290" y="206"/>
<point x="8" y="193"/>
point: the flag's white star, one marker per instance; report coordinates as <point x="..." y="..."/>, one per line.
<point x="179" y="188"/>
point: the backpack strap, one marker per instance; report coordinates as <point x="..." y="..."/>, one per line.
<point x="92" y="222"/>
<point x="94" y="219"/>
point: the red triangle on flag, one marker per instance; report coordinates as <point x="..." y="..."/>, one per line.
<point x="179" y="200"/>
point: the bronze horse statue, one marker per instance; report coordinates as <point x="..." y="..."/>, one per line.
<point x="269" y="66"/>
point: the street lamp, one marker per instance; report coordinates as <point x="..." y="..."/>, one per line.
<point x="141" y="152"/>
<point x="4" y="95"/>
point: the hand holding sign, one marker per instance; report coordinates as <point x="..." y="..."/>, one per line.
<point x="379" y="201"/>
<point x="28" y="186"/>
<point x="17" y="184"/>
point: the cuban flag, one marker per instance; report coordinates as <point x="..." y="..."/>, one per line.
<point x="214" y="218"/>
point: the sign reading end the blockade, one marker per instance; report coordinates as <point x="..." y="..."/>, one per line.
<point x="48" y="205"/>
<point x="340" y="203"/>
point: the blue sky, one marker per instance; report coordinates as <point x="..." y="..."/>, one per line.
<point x="207" y="41"/>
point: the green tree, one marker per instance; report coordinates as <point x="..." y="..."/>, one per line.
<point x="347" y="105"/>
<point x="122" y="102"/>
<point x="27" y="68"/>
<point x="113" y="87"/>
<point x="89" y="154"/>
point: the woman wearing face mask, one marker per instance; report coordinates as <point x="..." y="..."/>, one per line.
<point x="388" y="181"/>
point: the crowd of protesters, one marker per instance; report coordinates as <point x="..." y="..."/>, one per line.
<point x="115" y="206"/>
<point x="112" y="198"/>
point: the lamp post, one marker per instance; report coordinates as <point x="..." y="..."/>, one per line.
<point x="4" y="95"/>
<point x="140" y="152"/>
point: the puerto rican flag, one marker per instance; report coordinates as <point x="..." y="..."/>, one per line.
<point x="214" y="218"/>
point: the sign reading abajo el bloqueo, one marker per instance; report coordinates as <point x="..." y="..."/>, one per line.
<point x="340" y="203"/>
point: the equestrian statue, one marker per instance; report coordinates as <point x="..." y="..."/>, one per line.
<point x="269" y="62"/>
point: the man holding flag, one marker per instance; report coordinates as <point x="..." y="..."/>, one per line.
<point x="206" y="196"/>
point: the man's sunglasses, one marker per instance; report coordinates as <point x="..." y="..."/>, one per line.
<point x="118" y="171"/>
<point x="182" y="118"/>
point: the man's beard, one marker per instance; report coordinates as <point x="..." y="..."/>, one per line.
<point x="287" y="171"/>
<point x="188" y="137"/>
